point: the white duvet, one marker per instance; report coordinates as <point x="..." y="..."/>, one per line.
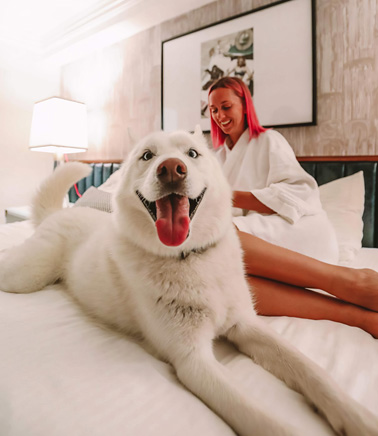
<point x="62" y="374"/>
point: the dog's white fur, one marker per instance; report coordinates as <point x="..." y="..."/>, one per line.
<point x="177" y="298"/>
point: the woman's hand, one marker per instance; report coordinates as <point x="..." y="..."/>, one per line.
<point x="246" y="200"/>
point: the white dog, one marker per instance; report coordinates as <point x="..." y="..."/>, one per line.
<point x="167" y="266"/>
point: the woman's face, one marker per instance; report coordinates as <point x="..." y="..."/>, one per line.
<point x="228" y="112"/>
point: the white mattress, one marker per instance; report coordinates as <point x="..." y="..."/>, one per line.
<point x="61" y="374"/>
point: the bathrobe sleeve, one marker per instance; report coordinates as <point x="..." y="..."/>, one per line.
<point x="289" y="190"/>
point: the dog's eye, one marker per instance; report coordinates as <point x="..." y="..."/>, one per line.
<point x="147" y="155"/>
<point x="192" y="153"/>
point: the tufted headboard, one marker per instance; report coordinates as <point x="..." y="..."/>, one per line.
<point x="101" y="172"/>
<point x="323" y="169"/>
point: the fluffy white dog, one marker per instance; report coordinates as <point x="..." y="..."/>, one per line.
<point x="167" y="266"/>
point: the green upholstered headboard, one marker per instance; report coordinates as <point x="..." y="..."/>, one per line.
<point x="323" y="169"/>
<point x="101" y="172"/>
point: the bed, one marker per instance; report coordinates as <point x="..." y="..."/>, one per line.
<point x="63" y="374"/>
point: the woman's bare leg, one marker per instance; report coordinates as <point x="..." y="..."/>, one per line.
<point x="273" y="298"/>
<point x="262" y="259"/>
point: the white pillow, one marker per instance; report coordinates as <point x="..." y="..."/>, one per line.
<point x="96" y="199"/>
<point x="110" y="185"/>
<point x="343" y="200"/>
<point x="100" y="198"/>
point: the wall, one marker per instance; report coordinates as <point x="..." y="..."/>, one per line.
<point x="21" y="170"/>
<point x="121" y="84"/>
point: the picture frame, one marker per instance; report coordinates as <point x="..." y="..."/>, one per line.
<point x="272" y="48"/>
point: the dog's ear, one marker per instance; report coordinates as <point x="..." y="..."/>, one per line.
<point x="132" y="138"/>
<point x="198" y="133"/>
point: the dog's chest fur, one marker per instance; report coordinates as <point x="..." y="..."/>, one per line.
<point x="183" y="292"/>
<point x="139" y="292"/>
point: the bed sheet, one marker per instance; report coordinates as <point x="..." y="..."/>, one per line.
<point x="62" y="373"/>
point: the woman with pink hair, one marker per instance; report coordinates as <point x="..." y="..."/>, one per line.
<point x="289" y="244"/>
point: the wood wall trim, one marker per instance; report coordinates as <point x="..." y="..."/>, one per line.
<point x="337" y="158"/>
<point x="97" y="161"/>
<point x="300" y="159"/>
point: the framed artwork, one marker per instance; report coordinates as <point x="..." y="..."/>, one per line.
<point x="272" y="49"/>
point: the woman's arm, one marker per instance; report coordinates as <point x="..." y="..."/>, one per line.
<point x="246" y="200"/>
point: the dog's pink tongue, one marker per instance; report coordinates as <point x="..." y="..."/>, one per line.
<point x="172" y="223"/>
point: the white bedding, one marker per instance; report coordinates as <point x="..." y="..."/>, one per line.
<point x="62" y="374"/>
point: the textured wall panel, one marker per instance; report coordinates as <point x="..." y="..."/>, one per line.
<point x="121" y="84"/>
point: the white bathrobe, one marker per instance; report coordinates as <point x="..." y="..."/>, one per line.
<point x="267" y="167"/>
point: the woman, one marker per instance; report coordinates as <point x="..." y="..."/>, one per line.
<point x="285" y="234"/>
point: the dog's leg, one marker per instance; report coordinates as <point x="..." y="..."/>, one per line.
<point x="204" y="376"/>
<point x="30" y="266"/>
<point x="210" y="381"/>
<point x="268" y="349"/>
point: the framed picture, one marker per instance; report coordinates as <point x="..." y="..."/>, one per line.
<point x="272" y="49"/>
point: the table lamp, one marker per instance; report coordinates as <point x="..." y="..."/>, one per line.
<point x="59" y="126"/>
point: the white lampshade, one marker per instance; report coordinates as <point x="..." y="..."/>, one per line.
<point x="59" y="126"/>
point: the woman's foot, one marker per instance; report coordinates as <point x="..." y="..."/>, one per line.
<point x="357" y="286"/>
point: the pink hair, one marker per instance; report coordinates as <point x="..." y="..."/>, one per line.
<point x="242" y="91"/>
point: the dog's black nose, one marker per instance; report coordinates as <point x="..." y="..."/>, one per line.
<point x="171" y="170"/>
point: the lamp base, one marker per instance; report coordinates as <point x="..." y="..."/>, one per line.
<point x="59" y="159"/>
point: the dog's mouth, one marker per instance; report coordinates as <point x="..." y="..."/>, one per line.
<point x="172" y="215"/>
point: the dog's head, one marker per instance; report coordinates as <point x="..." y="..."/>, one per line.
<point x="173" y="196"/>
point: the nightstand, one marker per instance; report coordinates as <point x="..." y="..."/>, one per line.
<point x="14" y="214"/>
